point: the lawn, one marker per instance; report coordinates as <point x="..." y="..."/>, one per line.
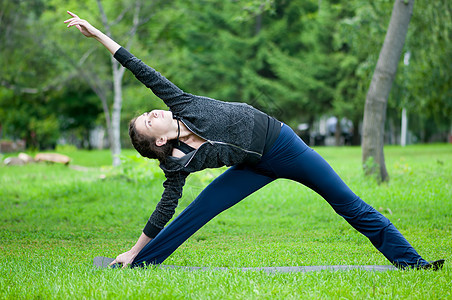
<point x="55" y="219"/>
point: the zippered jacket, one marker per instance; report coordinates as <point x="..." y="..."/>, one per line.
<point x="235" y="133"/>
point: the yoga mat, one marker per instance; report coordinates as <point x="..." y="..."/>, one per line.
<point x="103" y="262"/>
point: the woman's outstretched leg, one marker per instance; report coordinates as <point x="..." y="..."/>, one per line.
<point x="228" y="189"/>
<point x="294" y="160"/>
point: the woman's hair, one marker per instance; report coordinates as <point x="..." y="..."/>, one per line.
<point x="146" y="145"/>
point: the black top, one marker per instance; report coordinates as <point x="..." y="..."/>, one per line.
<point x="236" y="133"/>
<point x="273" y="130"/>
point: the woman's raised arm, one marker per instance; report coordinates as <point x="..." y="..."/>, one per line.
<point x="173" y="96"/>
<point x="90" y="31"/>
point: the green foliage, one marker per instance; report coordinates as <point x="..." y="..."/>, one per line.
<point x="429" y="82"/>
<point x="32" y="105"/>
<point x="137" y="169"/>
<point x="46" y="130"/>
<point x="65" y="148"/>
<point x="296" y="60"/>
<point x="357" y="40"/>
<point x="55" y="219"/>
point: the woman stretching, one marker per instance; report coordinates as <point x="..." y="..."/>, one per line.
<point x="198" y="133"/>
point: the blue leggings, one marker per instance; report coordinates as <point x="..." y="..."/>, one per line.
<point x="288" y="158"/>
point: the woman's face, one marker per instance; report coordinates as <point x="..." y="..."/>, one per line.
<point x="155" y="123"/>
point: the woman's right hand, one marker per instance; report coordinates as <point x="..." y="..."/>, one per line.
<point x="89" y="30"/>
<point x="125" y="259"/>
<point x="85" y="28"/>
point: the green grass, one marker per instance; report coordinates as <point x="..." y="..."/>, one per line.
<point x="55" y="219"/>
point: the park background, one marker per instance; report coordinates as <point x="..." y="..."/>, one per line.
<point x="300" y="61"/>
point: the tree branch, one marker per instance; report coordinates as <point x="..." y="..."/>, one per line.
<point x="104" y="18"/>
<point x="145" y="20"/>
<point x="120" y="16"/>
<point x="136" y="19"/>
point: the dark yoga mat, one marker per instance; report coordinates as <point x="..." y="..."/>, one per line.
<point x="103" y="262"/>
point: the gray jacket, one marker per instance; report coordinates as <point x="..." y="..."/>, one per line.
<point x="235" y="134"/>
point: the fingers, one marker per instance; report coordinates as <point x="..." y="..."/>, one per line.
<point x="112" y="263"/>
<point x="72" y="22"/>
<point x="72" y="14"/>
<point x="74" y="17"/>
<point x="69" y="20"/>
<point x="124" y="265"/>
<point x="76" y="22"/>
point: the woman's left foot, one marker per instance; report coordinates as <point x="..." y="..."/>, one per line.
<point x="434" y="265"/>
<point x="431" y="265"/>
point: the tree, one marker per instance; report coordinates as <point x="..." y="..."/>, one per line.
<point x="357" y="37"/>
<point x="275" y="58"/>
<point x="23" y="109"/>
<point x="296" y="60"/>
<point x="102" y="85"/>
<point x="380" y="86"/>
<point x="114" y="119"/>
<point x="429" y="75"/>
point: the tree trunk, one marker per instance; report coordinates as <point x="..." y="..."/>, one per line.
<point x="380" y="86"/>
<point x="114" y="130"/>
<point x="118" y="73"/>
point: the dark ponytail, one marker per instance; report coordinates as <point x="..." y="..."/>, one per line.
<point x="146" y="145"/>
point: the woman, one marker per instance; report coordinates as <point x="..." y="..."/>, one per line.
<point x="198" y="133"/>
